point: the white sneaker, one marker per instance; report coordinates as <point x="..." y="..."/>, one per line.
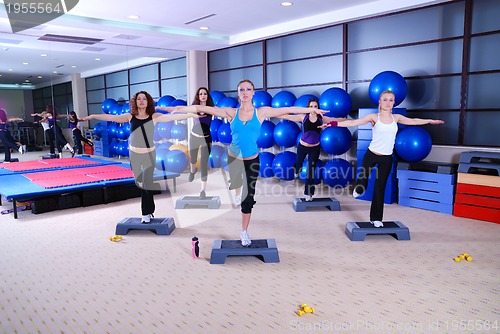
<point x="355" y="194"/>
<point x="245" y="239"/>
<point x="20" y="149"/>
<point x="377" y="223"/>
<point x="146" y="219"/>
<point x="237" y="200"/>
<point x="24" y="149"/>
<point x="308" y="198"/>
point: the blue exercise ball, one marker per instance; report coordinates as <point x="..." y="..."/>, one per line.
<point x="337" y="173"/>
<point x="317" y="171"/>
<point x="266" y="164"/>
<point x="113" y="147"/>
<point x="107" y="104"/>
<point x="224" y="133"/>
<point x="214" y="158"/>
<point x="388" y="80"/>
<point x="116" y="109"/>
<point x="164" y="129"/>
<point x="98" y="130"/>
<point x="125" y="108"/>
<point x="214" y="127"/>
<point x="216" y="96"/>
<point x="176" y="161"/>
<point x="227" y="102"/>
<point x="113" y="130"/>
<point x="283" y="99"/>
<point x="126" y="130"/>
<point x="413" y="144"/>
<point x="303" y="100"/>
<point x="285" y="133"/>
<point x="283" y="165"/>
<point x="179" y="131"/>
<point x="122" y="148"/>
<point x="337" y="101"/>
<point x="336" y="141"/>
<point x="163" y="146"/>
<point x="161" y="155"/>
<point x="261" y="98"/>
<point x="266" y="135"/>
<point x="120" y="133"/>
<point x="165" y="101"/>
<point x="179" y="102"/>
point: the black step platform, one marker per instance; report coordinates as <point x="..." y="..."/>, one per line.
<point x="300" y="204"/>
<point x="356" y="231"/>
<point x="211" y="202"/>
<point x="264" y="248"/>
<point x="161" y="226"/>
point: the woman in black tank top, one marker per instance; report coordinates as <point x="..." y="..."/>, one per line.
<point x="142" y="153"/>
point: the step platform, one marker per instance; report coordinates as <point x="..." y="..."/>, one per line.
<point x="356" y="231"/>
<point x="211" y="202"/>
<point x="300" y="204"/>
<point x="161" y="226"/>
<point x="264" y="248"/>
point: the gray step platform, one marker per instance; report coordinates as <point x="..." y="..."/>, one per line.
<point x="300" y="204"/>
<point x="479" y="168"/>
<point x="264" y="248"/>
<point x="161" y="226"/>
<point x="356" y="231"/>
<point x="211" y="202"/>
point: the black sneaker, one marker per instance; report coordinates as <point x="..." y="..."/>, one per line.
<point x="191" y="175"/>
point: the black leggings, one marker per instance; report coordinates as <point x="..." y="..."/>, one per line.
<point x="312" y="153"/>
<point x="384" y="165"/>
<point x="8" y="143"/>
<point x="205" y="145"/>
<point x="143" y="166"/>
<point x="248" y="169"/>
<point x="78" y="138"/>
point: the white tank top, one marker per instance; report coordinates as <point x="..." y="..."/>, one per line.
<point x="383" y="137"/>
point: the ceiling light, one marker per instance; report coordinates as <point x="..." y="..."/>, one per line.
<point x="73" y="66"/>
<point x="97" y="59"/>
<point x="286" y="3"/>
<point x="26" y="80"/>
<point x="25" y="63"/>
<point x="39" y="77"/>
<point x="55" y="72"/>
<point x="43" y="55"/>
<point x="204" y="28"/>
<point x="134" y="17"/>
<point x="10" y="70"/>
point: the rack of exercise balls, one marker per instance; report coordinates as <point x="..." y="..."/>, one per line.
<point x="278" y="139"/>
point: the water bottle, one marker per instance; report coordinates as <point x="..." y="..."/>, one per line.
<point x="195" y="249"/>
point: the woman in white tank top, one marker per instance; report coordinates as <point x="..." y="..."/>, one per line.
<point x="379" y="152"/>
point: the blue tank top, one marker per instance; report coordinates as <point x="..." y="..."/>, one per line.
<point x="244" y="136"/>
<point x="3" y="126"/>
<point x="73" y="124"/>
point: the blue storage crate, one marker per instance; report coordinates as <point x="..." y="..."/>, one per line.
<point x="427" y="189"/>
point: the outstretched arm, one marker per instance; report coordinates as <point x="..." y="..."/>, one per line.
<point x="268" y="112"/>
<point x="124" y="118"/>
<point x="293" y="118"/>
<point x="215" y="111"/>
<point x="172" y="117"/>
<point x="327" y="119"/>
<point x="370" y="118"/>
<point x="14" y="119"/>
<point x="416" y="121"/>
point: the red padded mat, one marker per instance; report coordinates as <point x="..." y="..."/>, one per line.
<point x="65" y="181"/>
<point x="69" y="177"/>
<point x="48" y="164"/>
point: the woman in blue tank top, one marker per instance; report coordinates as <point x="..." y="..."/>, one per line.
<point x="243" y="160"/>
<point x="309" y="144"/>
<point x="379" y="152"/>
<point x="142" y="152"/>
